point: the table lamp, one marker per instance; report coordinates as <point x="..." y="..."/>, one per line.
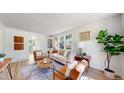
<point x="80" y="47"/>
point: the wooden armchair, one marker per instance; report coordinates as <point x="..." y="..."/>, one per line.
<point x="60" y="74"/>
<point x="75" y="73"/>
<point x="38" y="55"/>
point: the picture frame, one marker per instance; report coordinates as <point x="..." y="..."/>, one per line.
<point x="69" y="41"/>
<point x="50" y="43"/>
<point x="84" y="36"/>
<point x="61" y="42"/>
<point x="18" y="43"/>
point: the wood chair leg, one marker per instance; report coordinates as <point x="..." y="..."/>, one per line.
<point x="9" y="70"/>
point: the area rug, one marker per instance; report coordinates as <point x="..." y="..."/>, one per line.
<point x="32" y="72"/>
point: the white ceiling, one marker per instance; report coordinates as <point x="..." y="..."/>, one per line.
<point x="49" y="23"/>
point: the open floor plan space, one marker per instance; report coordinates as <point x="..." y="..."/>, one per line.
<point x="61" y="46"/>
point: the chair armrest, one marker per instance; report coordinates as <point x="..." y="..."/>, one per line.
<point x="66" y="77"/>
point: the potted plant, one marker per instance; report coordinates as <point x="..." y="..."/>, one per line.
<point x="113" y="45"/>
<point x="83" y="54"/>
<point x="2" y="55"/>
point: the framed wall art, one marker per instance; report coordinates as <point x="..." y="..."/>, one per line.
<point x="84" y="36"/>
<point x="50" y="43"/>
<point x="68" y="41"/>
<point x="18" y="43"/>
<point x="61" y="42"/>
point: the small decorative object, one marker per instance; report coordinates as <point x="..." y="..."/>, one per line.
<point x="45" y="60"/>
<point x="80" y="48"/>
<point x="61" y="42"/>
<point x="83" y="54"/>
<point x="80" y="51"/>
<point x="85" y="36"/>
<point x="113" y="45"/>
<point x="2" y="55"/>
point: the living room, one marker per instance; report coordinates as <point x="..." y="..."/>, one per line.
<point x="53" y="32"/>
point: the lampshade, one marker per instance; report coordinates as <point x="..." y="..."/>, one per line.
<point x="80" y="45"/>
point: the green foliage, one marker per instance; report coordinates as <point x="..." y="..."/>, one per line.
<point x="2" y="55"/>
<point x="113" y="44"/>
<point x="84" y="54"/>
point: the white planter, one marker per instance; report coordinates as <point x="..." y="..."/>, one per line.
<point x="1" y="59"/>
<point x="109" y="74"/>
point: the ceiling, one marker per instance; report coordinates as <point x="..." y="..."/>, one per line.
<point x="49" y="23"/>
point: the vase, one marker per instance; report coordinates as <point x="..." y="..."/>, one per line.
<point x="109" y="73"/>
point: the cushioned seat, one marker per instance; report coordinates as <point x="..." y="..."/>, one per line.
<point x="61" y="59"/>
<point x="58" y="76"/>
<point x="38" y="55"/>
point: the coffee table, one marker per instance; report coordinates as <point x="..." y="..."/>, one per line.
<point x="45" y="63"/>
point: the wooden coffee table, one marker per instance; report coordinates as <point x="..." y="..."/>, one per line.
<point x="45" y="63"/>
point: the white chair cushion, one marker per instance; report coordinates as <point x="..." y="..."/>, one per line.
<point x="38" y="54"/>
<point x="70" y="66"/>
<point x="81" y="67"/>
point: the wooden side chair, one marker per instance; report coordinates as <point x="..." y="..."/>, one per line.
<point x="75" y="73"/>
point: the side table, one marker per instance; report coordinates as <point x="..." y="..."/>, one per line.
<point x="87" y="58"/>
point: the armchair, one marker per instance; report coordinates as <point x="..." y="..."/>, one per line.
<point x="38" y="55"/>
<point x="75" y="73"/>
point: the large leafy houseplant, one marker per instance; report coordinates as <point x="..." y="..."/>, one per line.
<point x="113" y="45"/>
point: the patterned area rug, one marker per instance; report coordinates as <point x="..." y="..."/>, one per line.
<point x="32" y="72"/>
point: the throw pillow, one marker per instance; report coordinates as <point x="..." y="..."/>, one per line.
<point x="38" y="54"/>
<point x="80" y="68"/>
<point x="70" y="66"/>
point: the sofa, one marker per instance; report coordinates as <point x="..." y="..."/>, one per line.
<point x="58" y="55"/>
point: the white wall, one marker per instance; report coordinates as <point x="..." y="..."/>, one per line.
<point x="113" y="24"/>
<point x="23" y="54"/>
<point x="1" y="37"/>
<point x="122" y="56"/>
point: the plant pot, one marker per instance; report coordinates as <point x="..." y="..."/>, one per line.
<point x="109" y="73"/>
<point x="1" y="59"/>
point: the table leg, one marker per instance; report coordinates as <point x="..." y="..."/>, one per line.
<point x="9" y="70"/>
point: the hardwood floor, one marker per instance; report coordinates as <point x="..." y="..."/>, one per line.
<point x="15" y="70"/>
<point x="91" y="73"/>
<point x="4" y="75"/>
<point x="98" y="74"/>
